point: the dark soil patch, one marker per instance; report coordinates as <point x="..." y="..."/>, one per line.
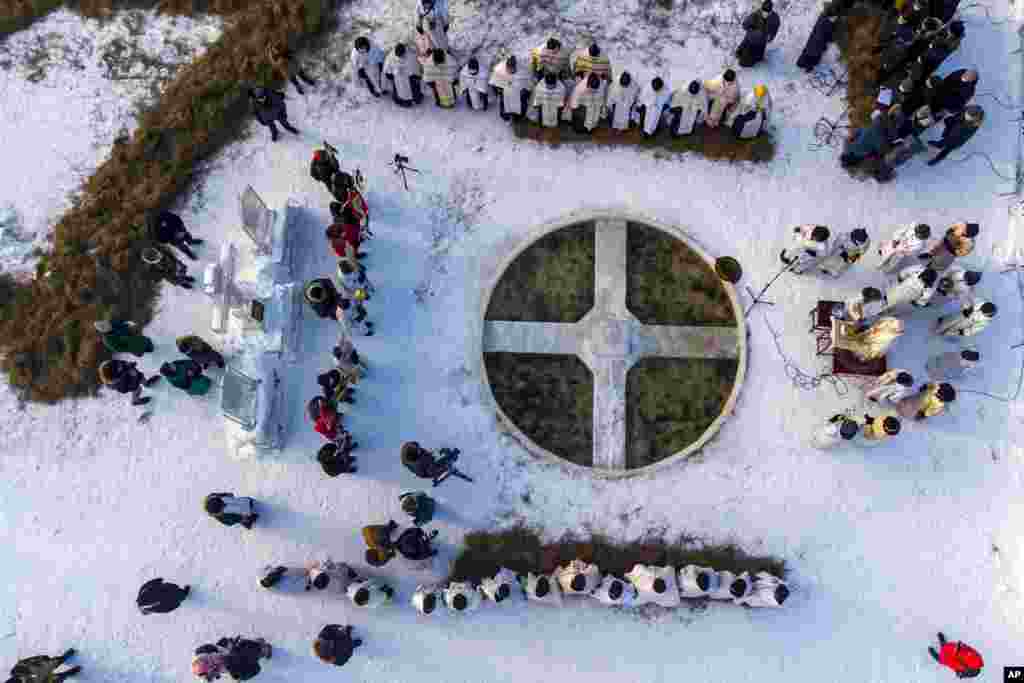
<point x="713" y="143"/>
<point x="550" y="398"/>
<point x="521" y="550"/>
<point x="670" y="284"/>
<point x="671" y="402"/>
<point x="857" y="35"/>
<point x="551" y="281"/>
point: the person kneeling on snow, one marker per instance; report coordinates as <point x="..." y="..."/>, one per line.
<point x="325" y="417"/>
<point x="335" y="644"/>
<point x="578" y="578"/>
<point x="229" y="509"/>
<point x="615" y="592"/>
<point x="199" y="350"/>
<point x="498" y="588"/>
<point x="122" y="336"/>
<point x="414" y="544"/>
<point x="370" y="594"/>
<point x="43" y="669"/>
<point x="418" y="505"/>
<point x="461" y="597"/>
<point x="751" y="116"/>
<point x="654" y="584"/>
<point x="123" y="377"/>
<point x="187" y="375"/>
<point x="379" y="546"/>
<point x="336" y="457"/>
<point x="421" y="462"/>
<point x="156" y="596"/>
<point x="541" y="588"/>
<point x="238" y="656"/>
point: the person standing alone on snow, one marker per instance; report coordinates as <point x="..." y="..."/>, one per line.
<point x="160" y="597"/>
<point x="270" y="108"/>
<point x="963" y="659"/>
<point x="229" y="509"/>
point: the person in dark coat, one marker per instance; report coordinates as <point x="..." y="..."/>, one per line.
<point x="942" y="46"/>
<point x="336" y="387"/>
<point x="164" y="266"/>
<point x="43" y="669"/>
<point x="420" y="461"/>
<point x="229" y="509"/>
<point x="418" y="505"/>
<point x="767" y="20"/>
<point x="335" y="458"/>
<point x="956" y="90"/>
<point x="874" y="139"/>
<point x="239" y="656"/>
<point x="761" y="28"/>
<point x="944" y="10"/>
<point x="821" y="36"/>
<point x="335" y="644"/>
<point x="125" y="378"/>
<point x="414" y="544"/>
<point x="122" y="336"/>
<point x="270" y="108"/>
<point x="159" y="597"/>
<point x="958" y="130"/>
<point x="916" y="125"/>
<point x="285" y="66"/>
<point x="322" y="297"/>
<point x="923" y="95"/>
<point x="187" y="375"/>
<point x="199" y="350"/>
<point x="168" y="228"/>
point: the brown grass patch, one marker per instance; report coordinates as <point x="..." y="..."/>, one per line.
<point x="521" y="550"/>
<point x="93" y="269"/>
<point x="18" y="14"/>
<point x="857" y="35"/>
<point x="712" y="143"/>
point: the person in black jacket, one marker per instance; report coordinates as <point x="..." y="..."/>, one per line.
<point x="421" y="462"/>
<point x="821" y="36"/>
<point x="322" y="297"/>
<point x="335" y="644"/>
<point x="165" y="266"/>
<point x="336" y="457"/>
<point x="414" y="544"/>
<point x="158" y="597"/>
<point x="956" y="90"/>
<point x="168" y="228"/>
<point x="229" y="509"/>
<point x="761" y="28"/>
<point x="199" y="350"/>
<point x="43" y="669"/>
<point x="238" y="656"/>
<point x="270" y="108"/>
<point x="124" y="377"/>
<point x="958" y="130"/>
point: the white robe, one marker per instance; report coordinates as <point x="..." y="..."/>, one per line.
<point x="971" y="325"/>
<point x="592" y="100"/>
<point x="443" y="76"/>
<point x="468" y="590"/>
<point x="904" y="243"/>
<point x="402" y="69"/>
<point x="475" y="85"/>
<point x="552" y="61"/>
<point x="803" y="244"/>
<point x="590" y="573"/>
<point x="550" y="99"/>
<point x="626" y="599"/>
<point x="622" y="99"/>
<point x="370" y="62"/>
<point x="722" y="95"/>
<point x="954" y="284"/>
<point x="491" y="585"/>
<point x="827" y="435"/>
<point x="643" y="577"/>
<point x="857" y="310"/>
<point x="909" y="289"/>
<point x="764" y="591"/>
<point x="554" y="596"/>
<point x="762" y="108"/>
<point x="834" y="264"/>
<point x="377" y="596"/>
<point x="419" y="598"/>
<point x="693" y="109"/>
<point x="655" y="103"/>
<point x="512" y="84"/>
<point x="885" y="388"/>
<point x="688" y="586"/>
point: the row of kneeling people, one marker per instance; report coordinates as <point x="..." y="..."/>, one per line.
<point x="644" y="584"/>
<point x="550" y="86"/>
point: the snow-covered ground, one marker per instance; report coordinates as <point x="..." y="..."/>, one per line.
<point x="885" y="546"/>
<point x="68" y="87"/>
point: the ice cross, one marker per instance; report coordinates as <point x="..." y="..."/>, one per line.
<point x="609" y="339"/>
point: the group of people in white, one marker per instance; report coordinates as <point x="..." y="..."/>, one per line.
<point x="923" y="270"/>
<point x="551" y="84"/>
<point x="644" y="584"/>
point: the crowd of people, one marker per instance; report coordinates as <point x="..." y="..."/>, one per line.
<point x="923" y="271"/>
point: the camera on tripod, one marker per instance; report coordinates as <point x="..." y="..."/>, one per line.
<point x="400" y="160"/>
<point x="400" y="167"/>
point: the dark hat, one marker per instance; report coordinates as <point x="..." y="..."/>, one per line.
<point x="781" y="593"/>
<point x="988" y="308"/>
<point x="928" y="277"/>
<point x="326" y="452"/>
<point x="859" y="236"/>
<point x="972" y="229"/>
<point x="429" y="603"/>
<point x="766" y="6"/>
<point x="956" y="27"/>
<point x="361" y="597"/>
<point x="553" y="44"/>
<point x="625" y="79"/>
<point x="694" y="87"/>
<point x="738" y="588"/>
<point x="659" y="585"/>
<point x="594" y="50"/>
<point x="615" y="590"/>
<point x="593" y="81"/>
<point x="543" y="587"/>
<point x="729" y="76"/>
<point x="272" y="577"/>
<point x="923" y="231"/>
<point x="473" y="64"/>
<point x="362" y="43"/>
<point x="871" y="294"/>
<point x="400" y="49"/>
<point x="510" y="63"/>
<point x="321" y="580"/>
<point x="891" y="426"/>
<point x="968" y="354"/>
<point x="438" y="55"/>
<point x="972" y="277"/>
<point x="657" y="83"/>
<point x="579" y="582"/>
<point x="214" y="505"/>
<point x="703" y="581"/>
<point x="820" y="233"/>
<point x="946" y="393"/>
<point x="502" y="593"/>
<point x="848" y="429"/>
<point x="550" y="79"/>
<point x="459" y="602"/>
<point x="904" y="379"/>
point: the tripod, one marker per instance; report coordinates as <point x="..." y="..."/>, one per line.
<point x="400" y="167"/>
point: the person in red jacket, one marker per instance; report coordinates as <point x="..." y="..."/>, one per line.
<point x="326" y="420"/>
<point x="960" y="657"/>
<point x="345" y="235"/>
